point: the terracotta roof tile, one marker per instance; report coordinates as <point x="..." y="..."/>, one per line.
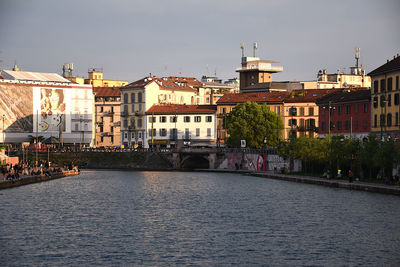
<point x="165" y="83"/>
<point x="346" y="95"/>
<point x="308" y="95"/>
<point x="106" y="91"/>
<point x="182" y="109"/>
<point x="253" y="97"/>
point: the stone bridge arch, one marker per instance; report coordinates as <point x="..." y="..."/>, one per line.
<point x="195" y="161"/>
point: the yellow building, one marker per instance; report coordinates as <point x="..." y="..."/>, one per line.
<point x="274" y="100"/>
<point x="385" y="99"/>
<point x="96" y="79"/>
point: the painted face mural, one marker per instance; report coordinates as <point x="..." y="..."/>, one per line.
<point x="52" y="110"/>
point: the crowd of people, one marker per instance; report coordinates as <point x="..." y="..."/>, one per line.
<point x="30" y="168"/>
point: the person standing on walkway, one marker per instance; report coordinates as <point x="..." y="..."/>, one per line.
<point x="350" y="176"/>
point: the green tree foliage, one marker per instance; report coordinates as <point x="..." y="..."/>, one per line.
<point x="365" y="158"/>
<point x="253" y="122"/>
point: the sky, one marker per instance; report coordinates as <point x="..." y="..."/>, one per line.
<point x="132" y="38"/>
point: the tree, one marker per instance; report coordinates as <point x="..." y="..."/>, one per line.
<point x="253" y="122"/>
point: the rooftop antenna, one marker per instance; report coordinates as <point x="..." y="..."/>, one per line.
<point x="357" y="56"/>
<point x="242" y="47"/>
<point x="255" y="46"/>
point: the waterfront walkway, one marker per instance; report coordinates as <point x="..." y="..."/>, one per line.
<point x="355" y="185"/>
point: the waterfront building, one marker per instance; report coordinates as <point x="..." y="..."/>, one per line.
<point x="355" y="78"/>
<point x="95" y="77"/>
<point x="274" y="100"/>
<point x="139" y="96"/>
<point x="175" y="126"/>
<point x="107" y="114"/>
<point x="256" y="75"/>
<point x="235" y="83"/>
<point x="44" y="104"/>
<point x="213" y="89"/>
<point x="347" y="111"/>
<point x="385" y="99"/>
<point x="300" y="112"/>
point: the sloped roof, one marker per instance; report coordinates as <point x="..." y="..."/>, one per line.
<point x="166" y="83"/>
<point x="392" y="65"/>
<point x="346" y="96"/>
<point x="253" y="97"/>
<point x="308" y="95"/>
<point x="182" y="109"/>
<point x="106" y="91"/>
<point x="33" y="76"/>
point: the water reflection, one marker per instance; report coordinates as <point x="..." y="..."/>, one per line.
<point x="108" y="218"/>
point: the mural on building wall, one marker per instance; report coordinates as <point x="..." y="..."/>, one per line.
<point x="52" y="110"/>
<point x="16" y="108"/>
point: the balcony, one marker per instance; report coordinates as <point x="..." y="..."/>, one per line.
<point x="108" y="113"/>
<point x="124" y="114"/>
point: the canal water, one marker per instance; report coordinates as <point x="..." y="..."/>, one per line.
<point x="114" y="218"/>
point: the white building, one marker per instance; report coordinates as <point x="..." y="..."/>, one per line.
<point x="181" y="125"/>
<point x="139" y="96"/>
<point x="44" y="104"/>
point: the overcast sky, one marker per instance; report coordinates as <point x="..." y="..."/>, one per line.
<point x="132" y="38"/>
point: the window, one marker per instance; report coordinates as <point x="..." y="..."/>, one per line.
<point x="389" y="100"/>
<point x="278" y="110"/>
<point x="301" y="122"/>
<point x="390" y="84"/>
<point x="197" y="131"/>
<point x="126" y="135"/>
<point x="382" y="120"/>
<point x="187" y="135"/>
<point x="140" y="97"/>
<point x="101" y="129"/>
<point x="365" y="124"/>
<point x="163" y="132"/>
<point x="397" y="119"/>
<point x="133" y="98"/>
<point x="339" y="110"/>
<point x="197" y="118"/>
<point x="339" y="125"/>
<point x="356" y="108"/>
<point x="133" y="108"/>
<point x="293" y="111"/>
<point x="292" y="122"/>
<point x="208" y="131"/>
<point x="111" y="129"/>
<point x="323" y="111"/>
<point x="365" y="108"/>
<point x="346" y="125"/>
<point x="101" y="109"/>
<point x="139" y="135"/>
<point x="173" y="133"/>
<point x="397" y="83"/>
<point x="383" y="85"/>
<point x="163" y="119"/>
<point x="356" y="124"/>
<point x="126" y="109"/>
<point x="348" y="109"/>
<point x="389" y="119"/>
<point x="154" y="133"/>
<point x="76" y="127"/>
<point x="376" y="86"/>
<point x="133" y="123"/>
<point x="140" y="107"/>
<point x="311" y="111"/>
<point x="375" y="102"/>
<point x="323" y="126"/>
<point x="152" y="119"/>
<point x="209" y="119"/>
<point x="186" y="119"/>
<point x="139" y="123"/>
<point x="173" y="119"/>
<point x="223" y="110"/>
<point x="396" y="99"/>
<point x="125" y="98"/>
<point x="301" y="111"/>
<point x="125" y="124"/>
<point x="376" y="121"/>
<point x="382" y="101"/>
